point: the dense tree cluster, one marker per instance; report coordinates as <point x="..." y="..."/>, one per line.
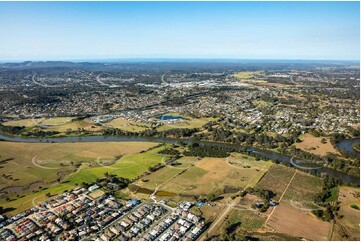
<point x="207" y="151"/>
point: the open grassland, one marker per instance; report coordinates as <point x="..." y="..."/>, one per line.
<point x="299" y="223"/>
<point x="127" y="125"/>
<point x="189" y="123"/>
<point x="34" y="166"/>
<point x="208" y="175"/>
<point x="276" y="179"/>
<point x="314" y="145"/>
<point x="128" y="166"/>
<point x="347" y="226"/>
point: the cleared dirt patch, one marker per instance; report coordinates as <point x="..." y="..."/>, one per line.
<point x="289" y="220"/>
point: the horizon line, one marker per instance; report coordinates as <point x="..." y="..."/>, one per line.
<point x="94" y="60"/>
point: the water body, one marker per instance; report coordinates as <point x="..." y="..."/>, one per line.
<point x="346" y="145"/>
<point x="285" y="159"/>
<point x="169" y="117"/>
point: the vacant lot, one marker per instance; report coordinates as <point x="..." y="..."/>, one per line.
<point x="347" y="227"/>
<point x="314" y="145"/>
<point x="295" y="222"/>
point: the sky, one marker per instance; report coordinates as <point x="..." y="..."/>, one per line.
<point x="233" y="30"/>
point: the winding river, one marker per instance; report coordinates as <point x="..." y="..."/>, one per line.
<point x="285" y="159"/>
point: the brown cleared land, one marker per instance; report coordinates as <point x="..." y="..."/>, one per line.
<point x="295" y="222"/>
<point x="314" y="145"/>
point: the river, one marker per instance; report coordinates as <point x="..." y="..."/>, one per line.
<point x="346" y="145"/>
<point x="285" y="159"/>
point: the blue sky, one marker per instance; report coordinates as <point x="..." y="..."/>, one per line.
<point x="241" y="30"/>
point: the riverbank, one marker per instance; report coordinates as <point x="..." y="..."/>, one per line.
<point x="302" y="165"/>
